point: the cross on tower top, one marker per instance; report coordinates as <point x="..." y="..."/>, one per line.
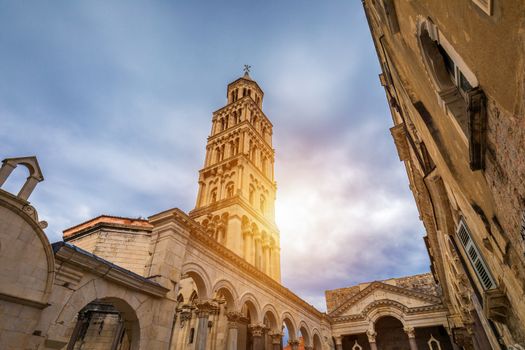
<point x="246" y="69"/>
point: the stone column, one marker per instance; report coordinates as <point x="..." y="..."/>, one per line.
<point x="204" y="309"/>
<point x="257" y="331"/>
<point x="181" y="337"/>
<point x="28" y="187"/>
<point x="276" y="340"/>
<point x="411" y="333"/>
<point x="6" y="170"/>
<point x="371" y="334"/>
<point x="294" y="344"/>
<point x="338" y="342"/>
<point x="247" y="236"/>
<point x="233" y="329"/>
<point x="266" y="256"/>
<point x="257" y="249"/>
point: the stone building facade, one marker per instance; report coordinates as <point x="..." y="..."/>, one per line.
<point x="205" y="280"/>
<point x="453" y="72"/>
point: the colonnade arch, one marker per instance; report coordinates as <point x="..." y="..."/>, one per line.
<point x="199" y="277"/>
<point x="305" y="333"/>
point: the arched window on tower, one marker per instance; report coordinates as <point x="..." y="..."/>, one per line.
<point x="217" y="154"/>
<point x="264" y="164"/>
<point x="230" y="189"/>
<point x="222" y="152"/>
<point x="253" y="154"/>
<point x="262" y="203"/>
<point x="251" y="194"/>
<point x="244" y="92"/>
<point x="236" y="147"/>
<point x="213" y="196"/>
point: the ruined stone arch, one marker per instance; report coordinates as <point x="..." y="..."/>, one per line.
<point x="200" y="277"/>
<point x="132" y="310"/>
<point x="288" y="320"/>
<point x="232" y="296"/>
<point x="35" y="174"/>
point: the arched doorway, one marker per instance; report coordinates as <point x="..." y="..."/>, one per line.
<point x="390" y="334"/>
<point x="105" y="324"/>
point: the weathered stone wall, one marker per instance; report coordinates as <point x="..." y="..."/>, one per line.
<point x="131" y="250"/>
<point x="489" y="50"/>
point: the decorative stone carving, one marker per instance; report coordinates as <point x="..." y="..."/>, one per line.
<point x="276" y="337"/>
<point x="371" y="334"/>
<point x="294" y="344"/>
<point x="410" y="331"/>
<point x="234" y="319"/>
<point x="206" y="307"/>
<point x="257" y="330"/>
<point x="496" y="305"/>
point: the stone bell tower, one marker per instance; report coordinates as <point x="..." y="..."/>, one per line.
<point x="236" y="198"/>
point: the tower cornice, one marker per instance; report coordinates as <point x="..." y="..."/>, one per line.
<point x="224" y="203"/>
<point x="238" y="160"/>
<point x="243" y="99"/>
<point x="251" y="81"/>
<point x="238" y="127"/>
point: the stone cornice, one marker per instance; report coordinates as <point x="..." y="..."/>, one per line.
<point x="228" y="202"/>
<point x="232" y="162"/>
<point x="238" y="128"/>
<point x="388" y="303"/>
<point x="247" y="100"/>
<point x="197" y="232"/>
<point x="75" y="256"/>
<point x="379" y="285"/>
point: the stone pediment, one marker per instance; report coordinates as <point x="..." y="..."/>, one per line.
<point x="378" y="291"/>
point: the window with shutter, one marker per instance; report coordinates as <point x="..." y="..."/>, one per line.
<point x="474" y="256"/>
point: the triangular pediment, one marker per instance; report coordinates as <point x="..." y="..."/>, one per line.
<point x="379" y="291"/>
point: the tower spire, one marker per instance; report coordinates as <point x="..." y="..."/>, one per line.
<point x="235" y="202"/>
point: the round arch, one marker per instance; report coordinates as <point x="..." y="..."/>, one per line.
<point x="304" y="330"/>
<point x="253" y="306"/>
<point x="227" y="290"/>
<point x="317" y="345"/>
<point x="380" y="308"/>
<point x="271" y="313"/>
<point x="200" y="277"/>
<point x="124" y="302"/>
<point x="289" y="321"/>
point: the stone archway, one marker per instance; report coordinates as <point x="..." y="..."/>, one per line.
<point x="108" y="322"/>
<point x="390" y="334"/>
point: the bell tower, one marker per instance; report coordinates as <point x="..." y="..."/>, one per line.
<point x="235" y="202"/>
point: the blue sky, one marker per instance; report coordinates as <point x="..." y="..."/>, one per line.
<point x="115" y="99"/>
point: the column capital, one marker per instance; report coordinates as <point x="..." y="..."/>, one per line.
<point x="338" y="339"/>
<point x="257" y="330"/>
<point x="309" y="347"/>
<point x="293" y="343"/>
<point x="371" y="334"/>
<point x="410" y="331"/>
<point x="206" y="307"/>
<point x="276" y="337"/>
